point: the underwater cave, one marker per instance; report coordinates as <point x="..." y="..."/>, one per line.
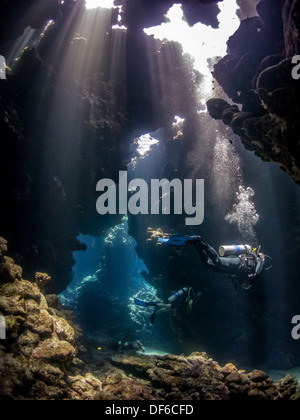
<point x="150" y="213"/>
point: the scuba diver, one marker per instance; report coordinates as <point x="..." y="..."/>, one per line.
<point x="185" y="296"/>
<point x="241" y="262"/>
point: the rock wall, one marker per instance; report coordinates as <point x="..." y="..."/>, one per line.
<point x="256" y="74"/>
<point x="66" y="126"/>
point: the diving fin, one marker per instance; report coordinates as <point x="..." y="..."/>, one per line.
<point x="176" y="240"/>
<point x="144" y="304"/>
<point x="140" y="302"/>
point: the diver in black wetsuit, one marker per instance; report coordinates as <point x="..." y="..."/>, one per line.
<point x="243" y="263"/>
<point x="185" y="296"/>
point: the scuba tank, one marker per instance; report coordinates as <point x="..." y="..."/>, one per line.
<point x="178" y="294"/>
<point x="226" y="250"/>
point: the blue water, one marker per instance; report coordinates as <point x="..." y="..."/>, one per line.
<point x="116" y="245"/>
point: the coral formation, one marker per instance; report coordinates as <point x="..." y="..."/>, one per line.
<point x="39" y="344"/>
<point x="42" y="279"/>
<point x="45" y="357"/>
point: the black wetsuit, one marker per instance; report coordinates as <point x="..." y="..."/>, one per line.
<point x="243" y="267"/>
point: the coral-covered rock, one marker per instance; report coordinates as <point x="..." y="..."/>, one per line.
<point x="25" y="289"/>
<point x="288" y="388"/>
<point x="28" y="341"/>
<point x="53" y="350"/>
<point x="12" y="305"/>
<point x="9" y="270"/>
<point x="3" y="247"/>
<point x="53" y="301"/>
<point x="14" y="373"/>
<point x="258" y="376"/>
<point x="42" y="279"/>
<point x="217" y="107"/>
<point x="36" y="338"/>
<point x="199" y="377"/>
<point x="40" y="323"/>
<point x="179" y="377"/>
<point x="88" y="387"/>
<point x="63" y="329"/>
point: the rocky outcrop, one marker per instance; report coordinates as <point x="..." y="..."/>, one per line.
<point x="197" y="377"/>
<point x="177" y="377"/>
<point x="144" y="13"/>
<point x="40" y="343"/>
<point x="257" y="75"/>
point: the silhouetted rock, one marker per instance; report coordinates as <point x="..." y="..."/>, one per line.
<point x="257" y="73"/>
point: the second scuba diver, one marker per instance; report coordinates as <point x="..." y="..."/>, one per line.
<point x="185" y="296"/>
